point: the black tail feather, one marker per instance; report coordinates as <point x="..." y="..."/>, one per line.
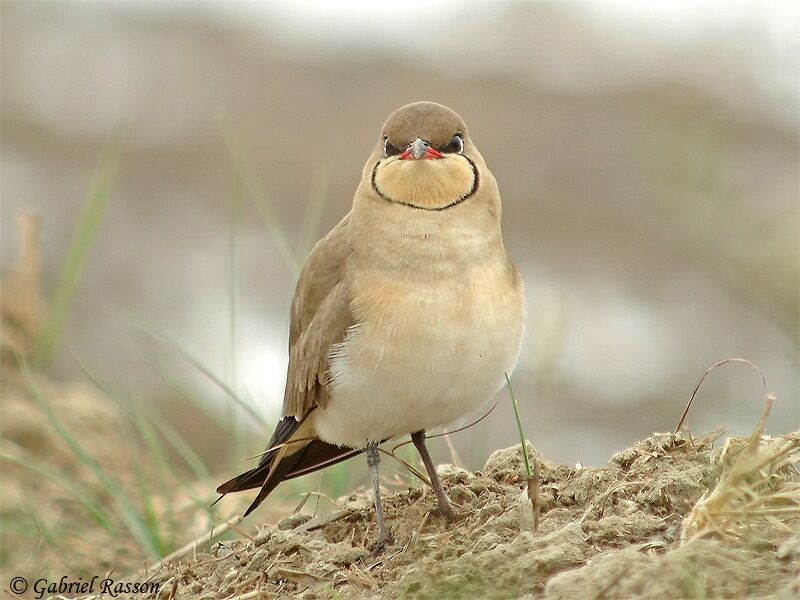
<point x="256" y="476"/>
<point x="283" y="432"/>
<point x="274" y="477"/>
<point x="314" y="455"/>
<point x="248" y="480"/>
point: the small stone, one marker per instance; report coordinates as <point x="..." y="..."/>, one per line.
<point x="461" y="495"/>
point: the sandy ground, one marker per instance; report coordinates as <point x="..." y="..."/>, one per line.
<point x="671" y="517"/>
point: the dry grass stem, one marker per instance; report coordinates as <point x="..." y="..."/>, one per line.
<point x="697" y="387"/>
<point x="200" y="541"/>
<point x="759" y="481"/>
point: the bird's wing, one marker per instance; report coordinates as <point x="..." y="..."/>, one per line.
<point x="319" y="319"/>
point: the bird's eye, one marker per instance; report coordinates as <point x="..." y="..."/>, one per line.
<point x="456" y="145"/>
<point x="388" y="149"/>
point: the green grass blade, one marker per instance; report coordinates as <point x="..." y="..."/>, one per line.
<point x="182" y="391"/>
<point x="519" y="426"/>
<point x="200" y="468"/>
<point x="252" y="188"/>
<point x="152" y="430"/>
<point x="93" y="508"/>
<point x="171" y="343"/>
<point x="232" y="362"/>
<point x="186" y="453"/>
<point x="78" y="250"/>
<point x="125" y="510"/>
<point x="312" y="217"/>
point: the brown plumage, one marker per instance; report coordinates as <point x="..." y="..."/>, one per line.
<point x="406" y="315"/>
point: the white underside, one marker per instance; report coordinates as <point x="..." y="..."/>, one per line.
<point x="423" y="372"/>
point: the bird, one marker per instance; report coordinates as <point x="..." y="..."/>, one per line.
<point x="407" y="316"/>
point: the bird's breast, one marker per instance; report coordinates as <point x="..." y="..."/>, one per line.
<point x="433" y="336"/>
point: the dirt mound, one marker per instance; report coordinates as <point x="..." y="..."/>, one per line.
<point x="635" y="527"/>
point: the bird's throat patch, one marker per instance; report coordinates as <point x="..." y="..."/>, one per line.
<point x="426" y="184"/>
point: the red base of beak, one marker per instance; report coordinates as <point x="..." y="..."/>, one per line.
<point x="430" y="154"/>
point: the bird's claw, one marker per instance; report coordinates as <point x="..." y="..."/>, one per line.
<point x="381" y="545"/>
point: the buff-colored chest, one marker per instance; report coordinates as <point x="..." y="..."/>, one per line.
<point x="438" y="318"/>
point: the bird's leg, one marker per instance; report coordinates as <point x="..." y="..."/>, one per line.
<point x="445" y="507"/>
<point x="374" y="460"/>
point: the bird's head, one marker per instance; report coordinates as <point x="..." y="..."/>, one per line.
<point x="425" y="158"/>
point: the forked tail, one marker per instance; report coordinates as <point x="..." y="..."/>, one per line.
<point x="291" y="453"/>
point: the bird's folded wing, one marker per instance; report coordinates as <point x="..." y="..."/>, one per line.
<point x="320" y="317"/>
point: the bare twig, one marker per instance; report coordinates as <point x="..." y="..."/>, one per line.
<point x="247" y="596"/>
<point x="534" y="496"/>
<point x="702" y="379"/>
<point x="453" y="454"/>
<point x="417" y="473"/>
<point x="322" y="520"/>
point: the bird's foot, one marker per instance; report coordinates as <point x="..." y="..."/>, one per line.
<point x="447" y="513"/>
<point x="384" y="542"/>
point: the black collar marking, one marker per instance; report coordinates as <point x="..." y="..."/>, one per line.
<point x="475" y="183"/>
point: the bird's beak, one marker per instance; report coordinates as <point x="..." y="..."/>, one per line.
<point x="419" y="149"/>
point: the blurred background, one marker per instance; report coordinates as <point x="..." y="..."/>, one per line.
<point x="184" y="157"/>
